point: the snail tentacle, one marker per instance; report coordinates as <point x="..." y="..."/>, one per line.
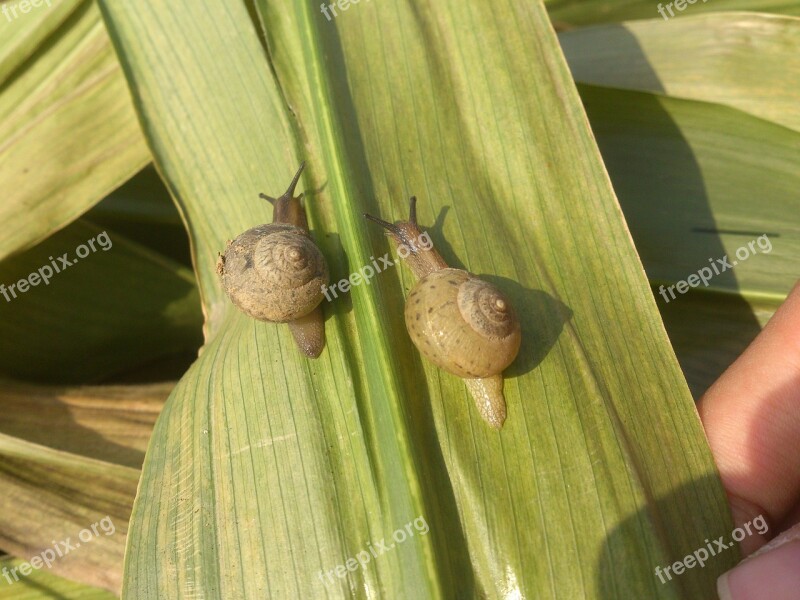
<point x="290" y="190"/>
<point x="412" y="210"/>
<point x="287" y="208"/>
<point x="390" y="227"/>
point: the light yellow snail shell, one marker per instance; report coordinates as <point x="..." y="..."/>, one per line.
<point x="274" y="273"/>
<point x="463" y="324"/>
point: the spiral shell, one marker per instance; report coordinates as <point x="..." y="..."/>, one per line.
<point x="463" y="324"/>
<point x="274" y="273"/>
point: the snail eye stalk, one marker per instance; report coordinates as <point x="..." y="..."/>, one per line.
<point x="290" y="192"/>
<point x="390" y="227"/>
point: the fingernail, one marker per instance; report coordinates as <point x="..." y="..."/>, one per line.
<point x="776" y="572"/>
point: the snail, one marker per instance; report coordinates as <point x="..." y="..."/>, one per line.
<point x="459" y="322"/>
<point x="276" y="273"/>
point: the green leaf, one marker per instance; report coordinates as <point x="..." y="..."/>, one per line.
<point x="74" y="507"/>
<point x="121" y="305"/>
<point x="26" y="36"/>
<point x="111" y="423"/>
<point x="568" y="13"/>
<point x="751" y="62"/>
<point x="41" y="585"/>
<point x="287" y="466"/>
<point x="698" y="180"/>
<point x="68" y="132"/>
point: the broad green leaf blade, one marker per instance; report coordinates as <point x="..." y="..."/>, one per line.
<point x="590" y="12"/>
<point x="711" y="190"/>
<point x="68" y="132"/>
<point x="43" y="585"/>
<point x="290" y="466"/>
<point x="699" y="181"/>
<point x="119" y="306"/>
<point x="742" y="60"/>
<point x="111" y="423"/>
<point x="52" y="500"/>
<point x="28" y="31"/>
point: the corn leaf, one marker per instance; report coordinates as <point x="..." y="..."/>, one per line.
<point x="112" y="423"/>
<point x="89" y="292"/>
<point x="703" y="157"/>
<point x="568" y="13"/>
<point x="75" y="509"/>
<point x="68" y="132"/>
<point x="43" y="585"/>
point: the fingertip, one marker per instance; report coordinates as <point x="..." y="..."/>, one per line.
<point x="774" y="574"/>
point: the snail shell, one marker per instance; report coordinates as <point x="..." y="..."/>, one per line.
<point x="463" y="324"/>
<point x="274" y="273"/>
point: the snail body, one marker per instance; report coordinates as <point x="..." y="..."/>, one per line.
<point x="276" y="273"/>
<point x="459" y="322"/>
